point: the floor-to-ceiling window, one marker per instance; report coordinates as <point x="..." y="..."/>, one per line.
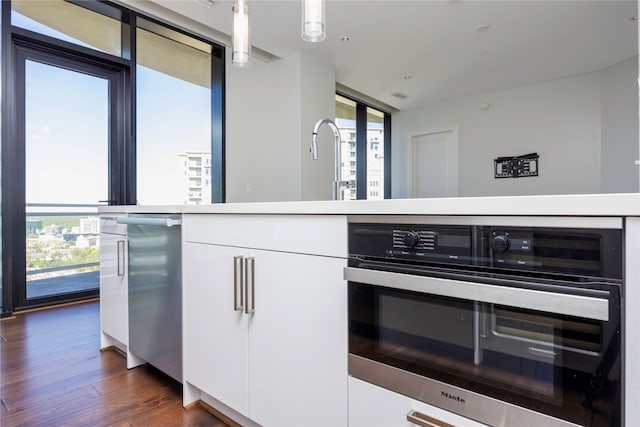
<point x="365" y="135"/>
<point x="174" y="127"/>
<point x="70" y="80"/>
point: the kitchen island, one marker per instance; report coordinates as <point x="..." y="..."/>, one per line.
<point x="265" y="302"/>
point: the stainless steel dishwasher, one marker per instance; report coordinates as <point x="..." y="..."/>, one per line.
<point x="155" y="290"/>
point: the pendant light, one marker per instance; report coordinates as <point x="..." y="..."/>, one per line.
<point x="240" y="40"/>
<point x="313" y="21"/>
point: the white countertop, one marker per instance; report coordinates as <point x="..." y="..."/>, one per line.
<point x="627" y="204"/>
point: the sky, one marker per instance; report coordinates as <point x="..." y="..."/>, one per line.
<point x="173" y="117"/>
<point x="66" y="136"/>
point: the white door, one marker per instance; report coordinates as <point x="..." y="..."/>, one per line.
<point x="434" y="164"/>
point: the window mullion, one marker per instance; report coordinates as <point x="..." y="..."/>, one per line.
<point x="387" y="156"/>
<point x="361" y="151"/>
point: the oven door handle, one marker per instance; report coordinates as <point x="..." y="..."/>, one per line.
<point x="585" y="307"/>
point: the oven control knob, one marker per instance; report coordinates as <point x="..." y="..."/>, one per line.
<point x="500" y="243"/>
<point x="411" y="239"/>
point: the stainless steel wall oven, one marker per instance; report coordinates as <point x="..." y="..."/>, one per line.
<point x="509" y="321"/>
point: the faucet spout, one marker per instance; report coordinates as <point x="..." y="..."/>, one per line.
<point x="337" y="190"/>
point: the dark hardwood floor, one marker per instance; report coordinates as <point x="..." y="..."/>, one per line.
<point x="52" y="373"/>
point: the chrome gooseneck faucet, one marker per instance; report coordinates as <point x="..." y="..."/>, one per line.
<point x="337" y="184"/>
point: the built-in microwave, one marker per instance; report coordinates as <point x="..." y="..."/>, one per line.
<point x="508" y="324"/>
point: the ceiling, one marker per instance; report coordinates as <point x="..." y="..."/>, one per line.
<point x="431" y="50"/>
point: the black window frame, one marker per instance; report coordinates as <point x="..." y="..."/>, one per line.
<point x="17" y="42"/>
<point x="26" y="49"/>
<point x="361" y="147"/>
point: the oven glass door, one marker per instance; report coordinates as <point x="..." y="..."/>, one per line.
<point x="564" y="366"/>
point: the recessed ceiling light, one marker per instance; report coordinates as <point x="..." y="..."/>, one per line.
<point x="408" y="77"/>
<point x="634" y="18"/>
<point x="345" y="39"/>
<point x="482" y="27"/>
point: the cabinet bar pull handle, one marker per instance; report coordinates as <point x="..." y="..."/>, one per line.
<point x="250" y="285"/>
<point x="238" y="277"/>
<point x="422" y="420"/>
<point x="119" y="255"/>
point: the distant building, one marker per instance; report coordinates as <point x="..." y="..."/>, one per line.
<point x="34" y="226"/>
<point x="375" y="160"/>
<point x="70" y="237"/>
<point x="53" y="230"/>
<point x="196" y="177"/>
<point x="90" y="225"/>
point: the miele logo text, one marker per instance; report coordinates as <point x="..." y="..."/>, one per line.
<point x="452" y="397"/>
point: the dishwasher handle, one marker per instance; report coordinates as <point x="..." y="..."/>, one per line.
<point x="162" y="222"/>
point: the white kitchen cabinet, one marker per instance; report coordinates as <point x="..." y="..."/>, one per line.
<point x="285" y="364"/>
<point x="114" y="313"/>
<point x="373" y="406"/>
<point x="298" y="341"/>
<point x="215" y="336"/>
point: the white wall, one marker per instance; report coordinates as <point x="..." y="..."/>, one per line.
<point x="562" y="120"/>
<point x="270" y="111"/>
<point x="262" y="112"/>
<point x="620" y="128"/>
